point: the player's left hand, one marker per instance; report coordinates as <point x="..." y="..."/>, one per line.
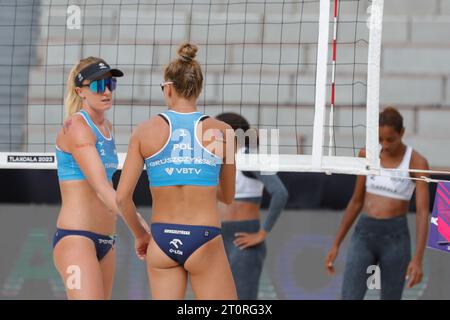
<point x="245" y="240"/>
<point x="414" y="273"/>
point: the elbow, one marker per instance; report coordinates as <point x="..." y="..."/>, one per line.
<point x="284" y="195"/>
<point x="422" y="212"/>
<point x="356" y="205"/>
<point x="226" y="194"/>
<point x="101" y="189"/>
<point x="121" y="199"/>
<point x="227" y="198"/>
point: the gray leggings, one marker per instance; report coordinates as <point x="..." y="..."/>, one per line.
<point x="382" y="242"/>
<point x="246" y="265"/>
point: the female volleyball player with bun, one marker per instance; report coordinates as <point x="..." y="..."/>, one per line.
<point x="381" y="236"/>
<point x="188" y="171"/>
<point x="243" y="235"/>
<point x="87" y="159"/>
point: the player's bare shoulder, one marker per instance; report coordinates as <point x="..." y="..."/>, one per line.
<point x="418" y="161"/>
<point x="75" y="131"/>
<point x="151" y="127"/>
<point x="151" y="135"/>
<point x="75" y="126"/>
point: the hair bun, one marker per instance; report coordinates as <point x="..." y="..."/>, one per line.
<point x="187" y="51"/>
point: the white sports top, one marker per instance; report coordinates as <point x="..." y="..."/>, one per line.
<point x="247" y="187"/>
<point x="393" y="184"/>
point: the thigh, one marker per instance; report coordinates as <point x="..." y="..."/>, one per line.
<point x="167" y="279"/>
<point x="76" y="261"/>
<point x="360" y="256"/>
<point x="108" y="268"/>
<point x="394" y="259"/>
<point x="210" y="273"/>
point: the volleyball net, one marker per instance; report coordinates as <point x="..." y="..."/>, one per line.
<point x="304" y="73"/>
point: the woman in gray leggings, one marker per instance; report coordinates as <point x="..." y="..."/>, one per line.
<point x="381" y="236"/>
<point x="242" y="234"/>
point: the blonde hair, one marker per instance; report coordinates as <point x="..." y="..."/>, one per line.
<point x="185" y="72"/>
<point x="73" y="101"/>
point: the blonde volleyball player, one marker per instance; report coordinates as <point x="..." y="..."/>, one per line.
<point x="84" y="241"/>
<point x="188" y="173"/>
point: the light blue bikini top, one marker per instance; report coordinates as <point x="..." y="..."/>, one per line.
<point x="183" y="160"/>
<point x="68" y="168"/>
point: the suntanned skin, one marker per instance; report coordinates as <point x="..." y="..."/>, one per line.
<point x="208" y="268"/>
<point x="381" y="207"/>
<point x="241" y="211"/>
<point x="89" y="204"/>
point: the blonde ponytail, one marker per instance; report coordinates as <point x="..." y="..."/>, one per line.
<point x="73" y="102"/>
